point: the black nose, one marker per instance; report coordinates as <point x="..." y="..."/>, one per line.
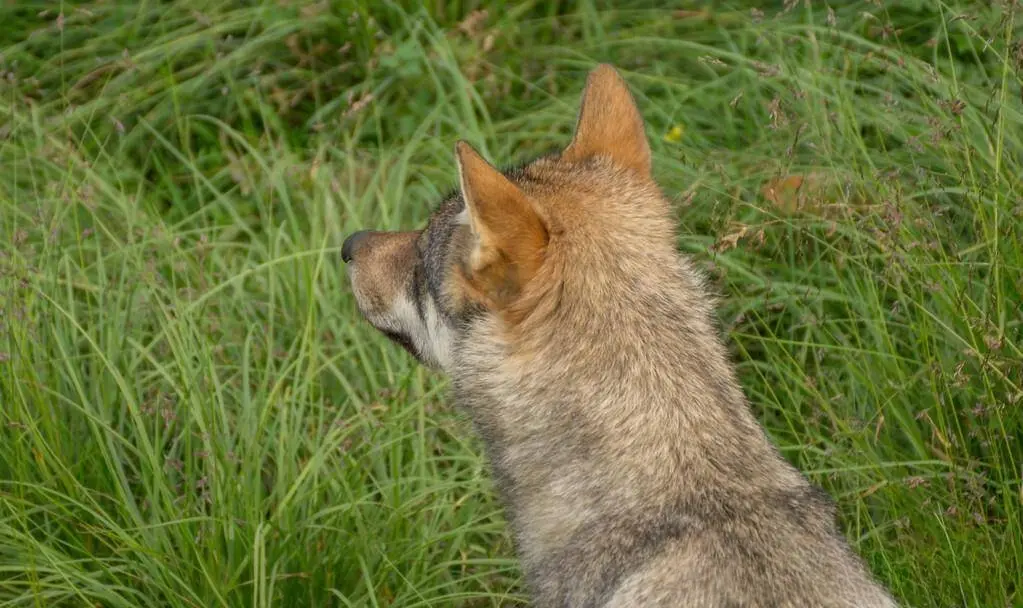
<point x="348" y="247"/>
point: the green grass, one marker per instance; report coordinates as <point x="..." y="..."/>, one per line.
<point x="192" y="413"/>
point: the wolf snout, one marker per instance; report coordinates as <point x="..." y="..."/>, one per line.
<point x="351" y="244"/>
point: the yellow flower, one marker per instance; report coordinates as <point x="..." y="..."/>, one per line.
<point x="674" y="134"/>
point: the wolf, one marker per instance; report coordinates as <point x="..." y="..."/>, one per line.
<point x="582" y="346"/>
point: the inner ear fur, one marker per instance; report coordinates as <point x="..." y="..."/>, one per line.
<point x="509" y="235"/>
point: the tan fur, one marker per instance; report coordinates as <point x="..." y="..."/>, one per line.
<point x="610" y="124"/>
<point x="631" y="467"/>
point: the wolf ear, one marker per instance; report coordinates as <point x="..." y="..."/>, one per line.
<point x="610" y="124"/>
<point x="510" y="236"/>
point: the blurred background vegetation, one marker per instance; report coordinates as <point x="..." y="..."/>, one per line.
<point x="192" y="413"/>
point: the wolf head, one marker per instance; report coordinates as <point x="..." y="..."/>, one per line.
<point x="501" y="247"/>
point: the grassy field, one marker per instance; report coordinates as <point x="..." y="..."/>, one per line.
<point x="193" y="415"/>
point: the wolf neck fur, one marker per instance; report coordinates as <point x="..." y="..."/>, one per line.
<point x="660" y="399"/>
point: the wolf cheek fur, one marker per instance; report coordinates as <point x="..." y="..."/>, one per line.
<point x="582" y="346"/>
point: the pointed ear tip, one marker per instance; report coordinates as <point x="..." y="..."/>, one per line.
<point x="605" y="71"/>
<point x="465" y="153"/>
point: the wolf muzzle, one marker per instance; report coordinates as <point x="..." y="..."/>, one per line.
<point x="351" y="244"/>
